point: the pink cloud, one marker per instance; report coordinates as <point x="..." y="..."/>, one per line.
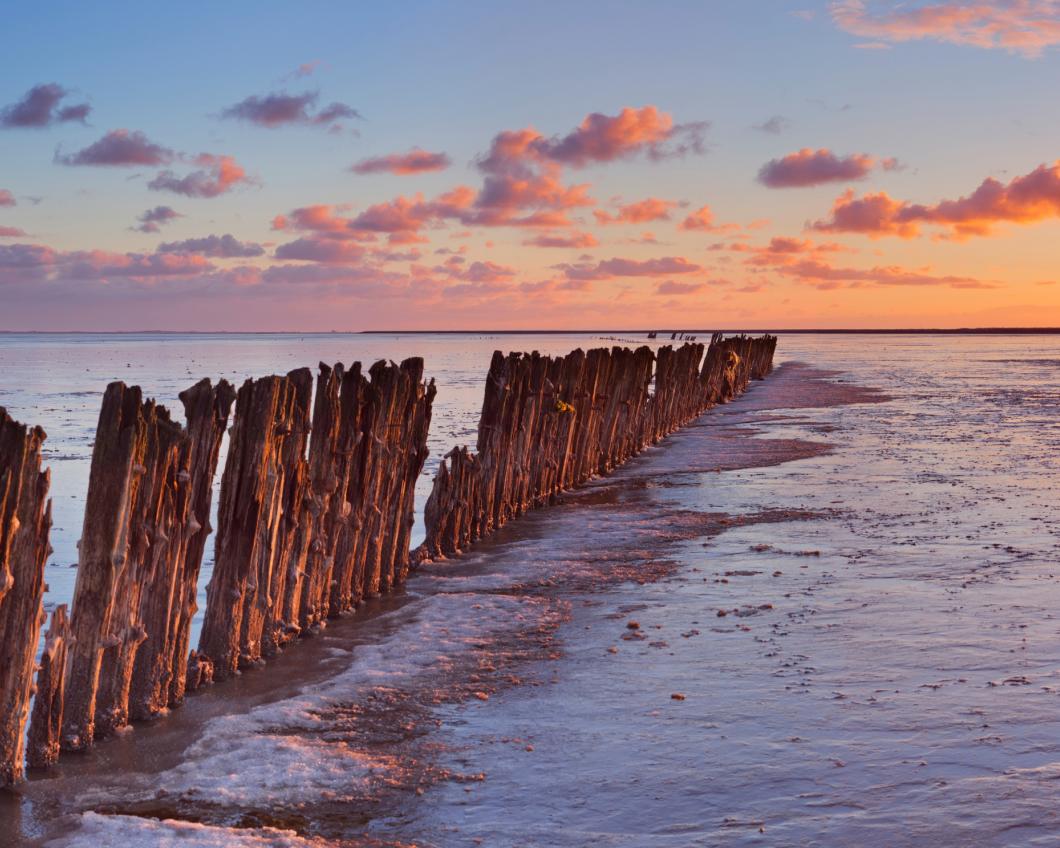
<point x="640" y="212"/>
<point x="782" y="251"/>
<point x="41" y="107"/>
<point x="324" y="250"/>
<point x="572" y="240"/>
<point x="7" y="198"/>
<point x="522" y="183"/>
<point x="319" y="218"/>
<point x="521" y="188"/>
<point x="220" y="175"/>
<point x="11" y="232"/>
<point x="306" y="69"/>
<point x="414" y="162"/>
<point x="523" y="168"/>
<point x="22" y="263"/>
<point x="824" y="275"/>
<point x="809" y="167"/>
<point x="809" y="262"/>
<point x="1026" y="27"/>
<point x="152" y="220"/>
<point x="701" y="219"/>
<point x="218" y="247"/>
<point x="604" y="138"/>
<point x="120" y="148"/>
<point x="402" y="214"/>
<point x="608" y="268"/>
<point x="1026" y="199"/>
<point x="679" y="288"/>
<point x="103" y="265"/>
<point x="476" y="272"/>
<point x="280" y="109"/>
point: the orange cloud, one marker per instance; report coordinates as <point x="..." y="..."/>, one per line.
<point x="1026" y="199"/>
<point x="600" y="138"/>
<point x="523" y="169"/>
<point x="641" y="212"/>
<point x="220" y="175"/>
<point x="1019" y="26"/>
<point x="702" y="220"/>
<point x="320" y="217"/>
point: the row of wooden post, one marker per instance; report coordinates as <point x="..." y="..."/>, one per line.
<point x="315" y="514"/>
<point x="551" y="423"/>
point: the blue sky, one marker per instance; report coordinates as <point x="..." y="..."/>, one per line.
<point x="450" y="77"/>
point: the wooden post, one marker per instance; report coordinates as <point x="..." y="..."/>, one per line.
<point x="25" y="520"/>
<point x="119" y="448"/>
<point x="551" y="423"/>
<point x="206" y="409"/>
<point x="46" y="722"/>
<point x="168" y="597"/>
<point x="143" y="587"/>
<point x="263" y="480"/>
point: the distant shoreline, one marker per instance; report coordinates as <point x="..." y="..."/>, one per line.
<point x="663" y="335"/>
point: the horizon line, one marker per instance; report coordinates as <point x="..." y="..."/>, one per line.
<point x="480" y="331"/>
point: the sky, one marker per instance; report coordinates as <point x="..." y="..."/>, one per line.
<point x="722" y="164"/>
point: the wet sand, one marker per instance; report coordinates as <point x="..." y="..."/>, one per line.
<point x="860" y="652"/>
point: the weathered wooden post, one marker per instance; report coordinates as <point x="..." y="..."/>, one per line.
<point x="119" y="449"/>
<point x="156" y="522"/>
<point x="46" y="722"/>
<point x="551" y="423"/>
<point x="25" y="520"/>
<point x="170" y="586"/>
<point x="206" y="409"/>
<point x="262" y="482"/>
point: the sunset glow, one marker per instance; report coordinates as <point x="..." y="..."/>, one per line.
<point x="731" y="165"/>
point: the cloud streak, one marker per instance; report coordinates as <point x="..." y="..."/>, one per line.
<point x="809" y="262"/>
<point x="215" y="247"/>
<point x="607" y="269"/>
<point x="402" y="164"/>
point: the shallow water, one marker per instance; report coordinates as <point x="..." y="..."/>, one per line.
<point x="901" y="689"/>
<point x="56" y="381"/>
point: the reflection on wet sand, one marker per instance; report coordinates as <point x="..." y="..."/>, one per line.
<point x="858" y="632"/>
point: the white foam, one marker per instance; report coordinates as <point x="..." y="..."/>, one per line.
<point x="281" y="752"/>
<point x="96" y="831"/>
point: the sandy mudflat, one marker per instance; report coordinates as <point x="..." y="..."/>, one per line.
<point x="816" y="617"/>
